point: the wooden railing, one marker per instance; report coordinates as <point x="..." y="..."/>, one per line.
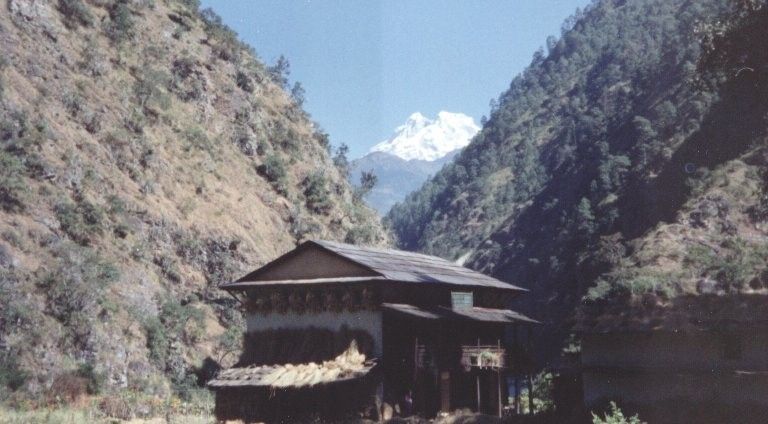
<point x="484" y="356"/>
<point x="477" y="356"/>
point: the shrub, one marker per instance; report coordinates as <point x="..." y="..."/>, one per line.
<point x="94" y="61"/>
<point x="185" y="82"/>
<point x="76" y="288"/>
<point x="13" y="188"/>
<point x="96" y="380"/>
<point x="322" y="138"/>
<point x="149" y="88"/>
<point x="12" y="375"/>
<point x="192" y="5"/>
<point x="225" y="45"/>
<point x="244" y="82"/>
<point x="360" y="234"/>
<point x="168" y="267"/>
<point x="273" y="169"/>
<point x="244" y="141"/>
<point x="75" y="13"/>
<point x="121" y="25"/>
<point x="80" y="221"/>
<point x="316" y="194"/>
<point x="3" y="65"/>
<point x="340" y="159"/>
<point x="615" y="416"/>
<point x="174" y="322"/>
<point x="198" y="139"/>
<point x="157" y="341"/>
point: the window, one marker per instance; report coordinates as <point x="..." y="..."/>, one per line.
<point x="460" y="300"/>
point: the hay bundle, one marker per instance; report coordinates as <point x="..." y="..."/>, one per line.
<point x="349" y="364"/>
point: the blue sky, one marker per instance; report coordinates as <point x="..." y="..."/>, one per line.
<point x="366" y="65"/>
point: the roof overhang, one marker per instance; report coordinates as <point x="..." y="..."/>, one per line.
<point x="375" y="265"/>
<point x="245" y="285"/>
<point x="476" y="314"/>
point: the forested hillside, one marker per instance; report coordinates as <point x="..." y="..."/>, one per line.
<point x="146" y="156"/>
<point x="631" y="153"/>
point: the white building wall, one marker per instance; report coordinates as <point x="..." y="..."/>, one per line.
<point x="369" y="321"/>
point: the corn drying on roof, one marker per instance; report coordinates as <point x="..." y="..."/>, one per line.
<point x="351" y="364"/>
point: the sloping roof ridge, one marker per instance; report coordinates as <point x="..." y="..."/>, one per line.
<point x="394" y="252"/>
<point x="381" y="261"/>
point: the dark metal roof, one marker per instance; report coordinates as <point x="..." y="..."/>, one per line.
<point x="388" y="264"/>
<point x="398" y="265"/>
<point x="464" y="314"/>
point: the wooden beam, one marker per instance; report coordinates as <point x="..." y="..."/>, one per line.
<point x="530" y="394"/>
<point x="498" y="384"/>
<point x="529" y="350"/>
<point x="515" y="368"/>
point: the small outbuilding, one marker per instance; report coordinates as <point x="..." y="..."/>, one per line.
<point x="335" y="329"/>
<point x="694" y="358"/>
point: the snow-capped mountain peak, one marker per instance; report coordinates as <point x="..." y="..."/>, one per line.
<point x="425" y="139"/>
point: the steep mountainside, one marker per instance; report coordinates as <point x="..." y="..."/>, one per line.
<point x="146" y="156"/>
<point x="622" y="153"/>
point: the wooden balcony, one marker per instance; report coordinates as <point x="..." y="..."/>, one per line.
<point x="486" y="357"/>
<point x="472" y="356"/>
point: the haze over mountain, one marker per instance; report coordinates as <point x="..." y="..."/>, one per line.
<point x="419" y="148"/>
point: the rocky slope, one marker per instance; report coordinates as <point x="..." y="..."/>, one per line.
<point x="628" y="160"/>
<point x="147" y="156"/>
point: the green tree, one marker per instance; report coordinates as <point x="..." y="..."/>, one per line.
<point x="298" y="94"/>
<point x="368" y="181"/>
<point x="615" y="416"/>
<point x="585" y="217"/>
<point x="340" y="159"/>
<point x="316" y="194"/>
<point x="280" y="71"/>
<point x="273" y="169"/>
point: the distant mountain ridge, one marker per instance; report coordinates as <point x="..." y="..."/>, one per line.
<point x="396" y="177"/>
<point x="418" y="149"/>
<point x="423" y="139"/>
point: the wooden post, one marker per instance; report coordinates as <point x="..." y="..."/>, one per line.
<point x="445" y="391"/>
<point x="477" y="382"/>
<point x="530" y="394"/>
<point x="415" y="360"/>
<point x="477" y="388"/>
<point x="515" y="370"/>
<point x="499" y="403"/>
<point x="415" y="386"/>
<point x="529" y="350"/>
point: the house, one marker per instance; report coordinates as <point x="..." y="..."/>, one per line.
<point x="694" y="358"/>
<point x="334" y="328"/>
